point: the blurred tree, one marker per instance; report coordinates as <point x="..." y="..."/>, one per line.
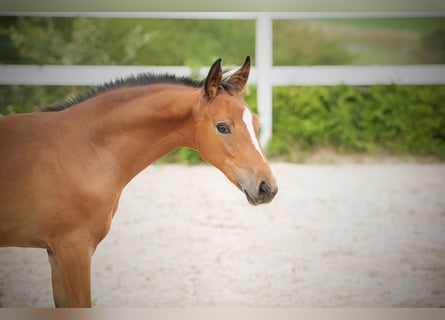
<point x="8" y="52"/>
<point x="45" y="40"/>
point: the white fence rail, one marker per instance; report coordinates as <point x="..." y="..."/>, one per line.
<point x="264" y="74"/>
<point x="50" y="75"/>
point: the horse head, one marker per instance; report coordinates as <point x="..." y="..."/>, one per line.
<point x="226" y="134"/>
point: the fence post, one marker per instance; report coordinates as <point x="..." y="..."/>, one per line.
<point x="263" y="56"/>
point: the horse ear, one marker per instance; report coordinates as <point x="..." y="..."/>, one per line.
<point x="239" y="79"/>
<point x="213" y="79"/>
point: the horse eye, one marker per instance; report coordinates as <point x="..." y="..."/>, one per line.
<point x="223" y="128"/>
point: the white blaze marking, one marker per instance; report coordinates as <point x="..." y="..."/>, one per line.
<point x="248" y="120"/>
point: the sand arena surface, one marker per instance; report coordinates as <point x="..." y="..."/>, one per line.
<point x="348" y="235"/>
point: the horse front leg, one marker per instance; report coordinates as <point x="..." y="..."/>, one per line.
<point x="58" y="292"/>
<point x="71" y="273"/>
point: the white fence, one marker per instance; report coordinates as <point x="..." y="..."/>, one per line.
<point x="264" y="74"/>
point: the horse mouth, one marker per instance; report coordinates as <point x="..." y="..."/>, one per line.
<point x="250" y="199"/>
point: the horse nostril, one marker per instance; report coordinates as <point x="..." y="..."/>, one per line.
<point x="264" y="190"/>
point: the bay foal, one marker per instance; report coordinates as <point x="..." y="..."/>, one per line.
<point x="62" y="172"/>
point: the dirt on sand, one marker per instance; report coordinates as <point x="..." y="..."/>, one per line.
<point x="348" y="235"/>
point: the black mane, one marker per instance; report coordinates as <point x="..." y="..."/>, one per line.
<point x="138" y="80"/>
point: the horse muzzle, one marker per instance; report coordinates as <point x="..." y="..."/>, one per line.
<point x="260" y="193"/>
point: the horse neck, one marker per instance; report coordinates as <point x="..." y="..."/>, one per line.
<point x="136" y="126"/>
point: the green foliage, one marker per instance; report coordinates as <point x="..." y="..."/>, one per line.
<point x="359" y="41"/>
<point x="299" y="43"/>
<point x="43" y="40"/>
<point x="399" y="120"/>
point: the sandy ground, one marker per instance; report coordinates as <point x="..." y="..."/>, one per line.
<point x="368" y="235"/>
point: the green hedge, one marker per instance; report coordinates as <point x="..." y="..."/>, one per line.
<point x="396" y="120"/>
